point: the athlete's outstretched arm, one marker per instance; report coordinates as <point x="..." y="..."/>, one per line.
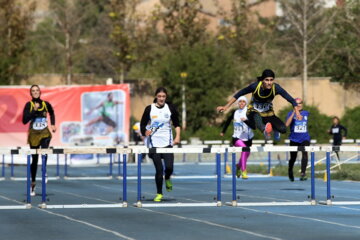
<point x="290" y="99"/>
<point x="227" y="123"/>
<point x="240" y="93"/>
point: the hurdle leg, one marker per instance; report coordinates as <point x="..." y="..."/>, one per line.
<point x="313" y="201"/>
<point x="57" y="166"/>
<point x="218" y="173"/>
<point x="28" y="184"/>
<point x="3" y="167"/>
<point x="111" y="166"/>
<point x="12" y="167"/>
<point x="233" y="160"/>
<point x="65" y="168"/>
<point x="125" y="204"/>
<point x="328" y="187"/>
<point x="269" y="162"/>
<point x="43" y="182"/>
<point x="138" y="204"/>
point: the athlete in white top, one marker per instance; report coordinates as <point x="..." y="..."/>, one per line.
<point x="242" y="136"/>
<point x="158" y="117"/>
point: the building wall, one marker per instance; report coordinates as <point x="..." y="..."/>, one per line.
<point x="330" y="97"/>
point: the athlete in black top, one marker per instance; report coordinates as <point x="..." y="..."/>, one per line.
<point x="336" y="130"/>
<point x="260" y="112"/>
<point x="156" y="126"/>
<point x="39" y="134"/>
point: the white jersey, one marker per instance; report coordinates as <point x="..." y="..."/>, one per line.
<point x="160" y="124"/>
<point x="241" y="130"/>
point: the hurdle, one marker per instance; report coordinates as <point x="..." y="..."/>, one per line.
<point x="328" y="150"/>
<point x="17" y="151"/>
<point x="270" y="149"/>
<point x="199" y="150"/>
<point x="82" y="150"/>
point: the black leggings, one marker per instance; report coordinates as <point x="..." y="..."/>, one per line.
<point x="169" y="167"/>
<point x="304" y="159"/>
<point x="256" y="121"/>
<point x="44" y="143"/>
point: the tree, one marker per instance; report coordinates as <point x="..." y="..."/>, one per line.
<point x="129" y="35"/>
<point x="15" y="23"/>
<point x="342" y="57"/>
<point x="303" y="25"/>
<point x="351" y="121"/>
<point x="210" y="76"/>
<point x="183" y="23"/>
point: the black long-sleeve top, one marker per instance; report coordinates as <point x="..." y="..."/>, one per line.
<point x="336" y="131"/>
<point x="145" y="119"/>
<point x="228" y="121"/>
<point x="264" y="92"/>
<point x="29" y="114"/>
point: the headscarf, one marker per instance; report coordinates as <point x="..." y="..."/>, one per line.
<point x="266" y="73"/>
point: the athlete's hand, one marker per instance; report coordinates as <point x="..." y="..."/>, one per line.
<point x="148" y="133"/>
<point x="221" y="109"/>
<point x="53" y="128"/>
<point x="176" y="140"/>
<point x="222" y="134"/>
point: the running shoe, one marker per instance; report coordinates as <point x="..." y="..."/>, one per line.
<point x="291" y="175"/>
<point x="32" y="190"/>
<point x="303" y="177"/>
<point x="276" y="136"/>
<point x="158" y="197"/>
<point x="168" y="185"/>
<point x="244" y="175"/>
<point x="267" y="131"/>
<point x="238" y="171"/>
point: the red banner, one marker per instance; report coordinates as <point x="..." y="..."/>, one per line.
<point x="85" y="115"/>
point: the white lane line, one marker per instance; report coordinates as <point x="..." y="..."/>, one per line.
<point x="89" y="224"/>
<point x="78" y="221"/>
<point x="349" y="208"/>
<point x="213" y="224"/>
<point x="305" y="218"/>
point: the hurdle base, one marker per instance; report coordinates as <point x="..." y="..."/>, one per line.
<point x="2" y="178"/>
<point x="28" y="206"/>
<point x="125" y="204"/>
<point x="42" y="205"/>
<point x="327" y="202"/>
<point x="313" y="202"/>
<point x="138" y="204"/>
<point x="267" y="204"/>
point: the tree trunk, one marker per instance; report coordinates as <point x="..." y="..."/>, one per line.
<point x="305" y="39"/>
<point x="68" y="59"/>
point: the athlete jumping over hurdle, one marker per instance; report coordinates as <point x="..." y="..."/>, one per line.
<point x="260" y="111"/>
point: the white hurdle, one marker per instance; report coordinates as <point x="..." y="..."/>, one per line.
<point x="217" y="150"/>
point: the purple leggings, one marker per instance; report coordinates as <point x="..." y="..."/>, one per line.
<point x="244" y="155"/>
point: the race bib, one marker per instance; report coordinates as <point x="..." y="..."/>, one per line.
<point x="335" y="130"/>
<point x="238" y="127"/>
<point x="262" y="107"/>
<point x="39" y="124"/>
<point x="300" y="128"/>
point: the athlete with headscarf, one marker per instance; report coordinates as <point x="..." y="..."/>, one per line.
<point x="39" y="136"/>
<point x="260" y="111"/>
<point x="242" y="136"/>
